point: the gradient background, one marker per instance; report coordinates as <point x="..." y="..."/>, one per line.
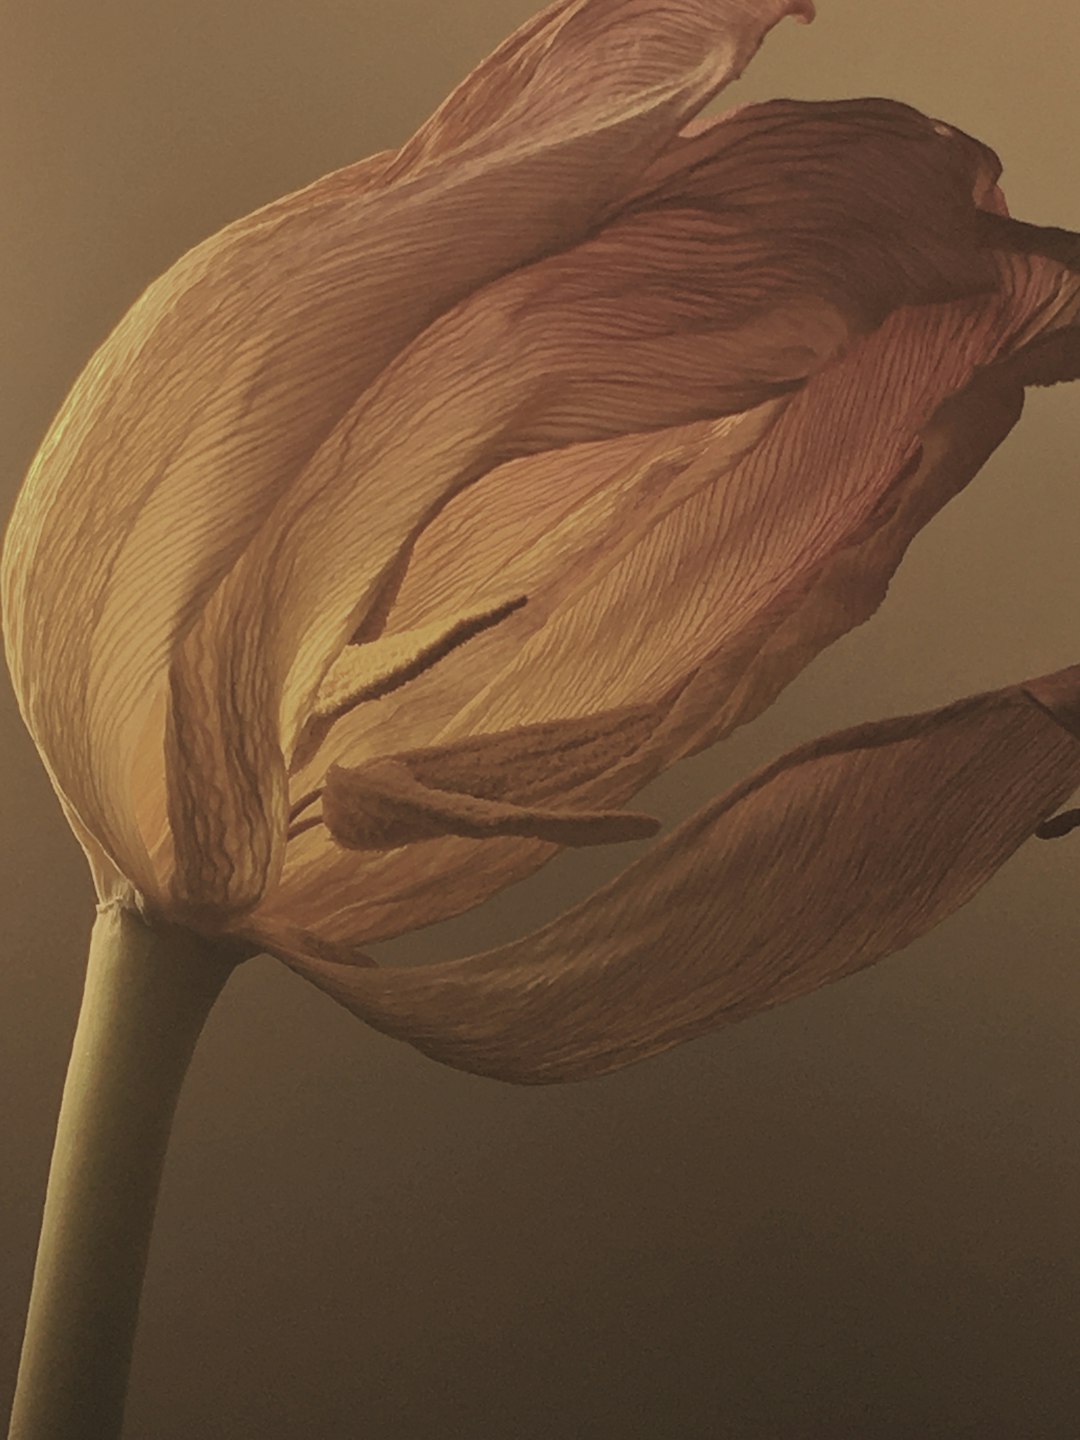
<point x="857" y="1216"/>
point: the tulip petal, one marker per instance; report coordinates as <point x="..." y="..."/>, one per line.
<point x="838" y="854"/>
<point x="194" y="417"/>
<point x="554" y="129"/>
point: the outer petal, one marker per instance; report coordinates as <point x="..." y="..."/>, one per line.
<point x="178" y="436"/>
<point x="197" y="412"/>
<point x="835" y="856"/>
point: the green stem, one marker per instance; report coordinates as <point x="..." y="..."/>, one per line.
<point x="147" y="995"/>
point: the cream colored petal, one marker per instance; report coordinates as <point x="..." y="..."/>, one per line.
<point x="839" y="854"/>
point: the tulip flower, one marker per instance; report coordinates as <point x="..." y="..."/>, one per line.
<point x="405" y="529"/>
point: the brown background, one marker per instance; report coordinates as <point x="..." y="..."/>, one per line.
<point x="859" y="1216"/>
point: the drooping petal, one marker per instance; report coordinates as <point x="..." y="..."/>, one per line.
<point x="786" y="166"/>
<point x="196" y="414"/>
<point x="836" y="855"/>
<point x="797" y="543"/>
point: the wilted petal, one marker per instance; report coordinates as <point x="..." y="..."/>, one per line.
<point x="673" y="312"/>
<point x="199" y="410"/>
<point x="838" y="854"/>
<point x="867" y="202"/>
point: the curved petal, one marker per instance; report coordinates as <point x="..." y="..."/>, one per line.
<point x="196" y="414"/>
<point x="174" y="442"/>
<point x="833" y="857"/>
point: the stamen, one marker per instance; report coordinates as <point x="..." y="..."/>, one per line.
<point x="301" y="825"/>
<point x="299" y="806"/>
<point x="375" y="668"/>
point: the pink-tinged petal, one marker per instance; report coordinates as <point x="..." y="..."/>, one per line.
<point x="837" y="855"/>
<point x="668" y="315"/>
<point x="197" y="413"/>
<point x="782" y="554"/>
<point x="866" y="202"/>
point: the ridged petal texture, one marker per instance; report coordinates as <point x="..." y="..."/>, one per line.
<point x="408" y="527"/>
